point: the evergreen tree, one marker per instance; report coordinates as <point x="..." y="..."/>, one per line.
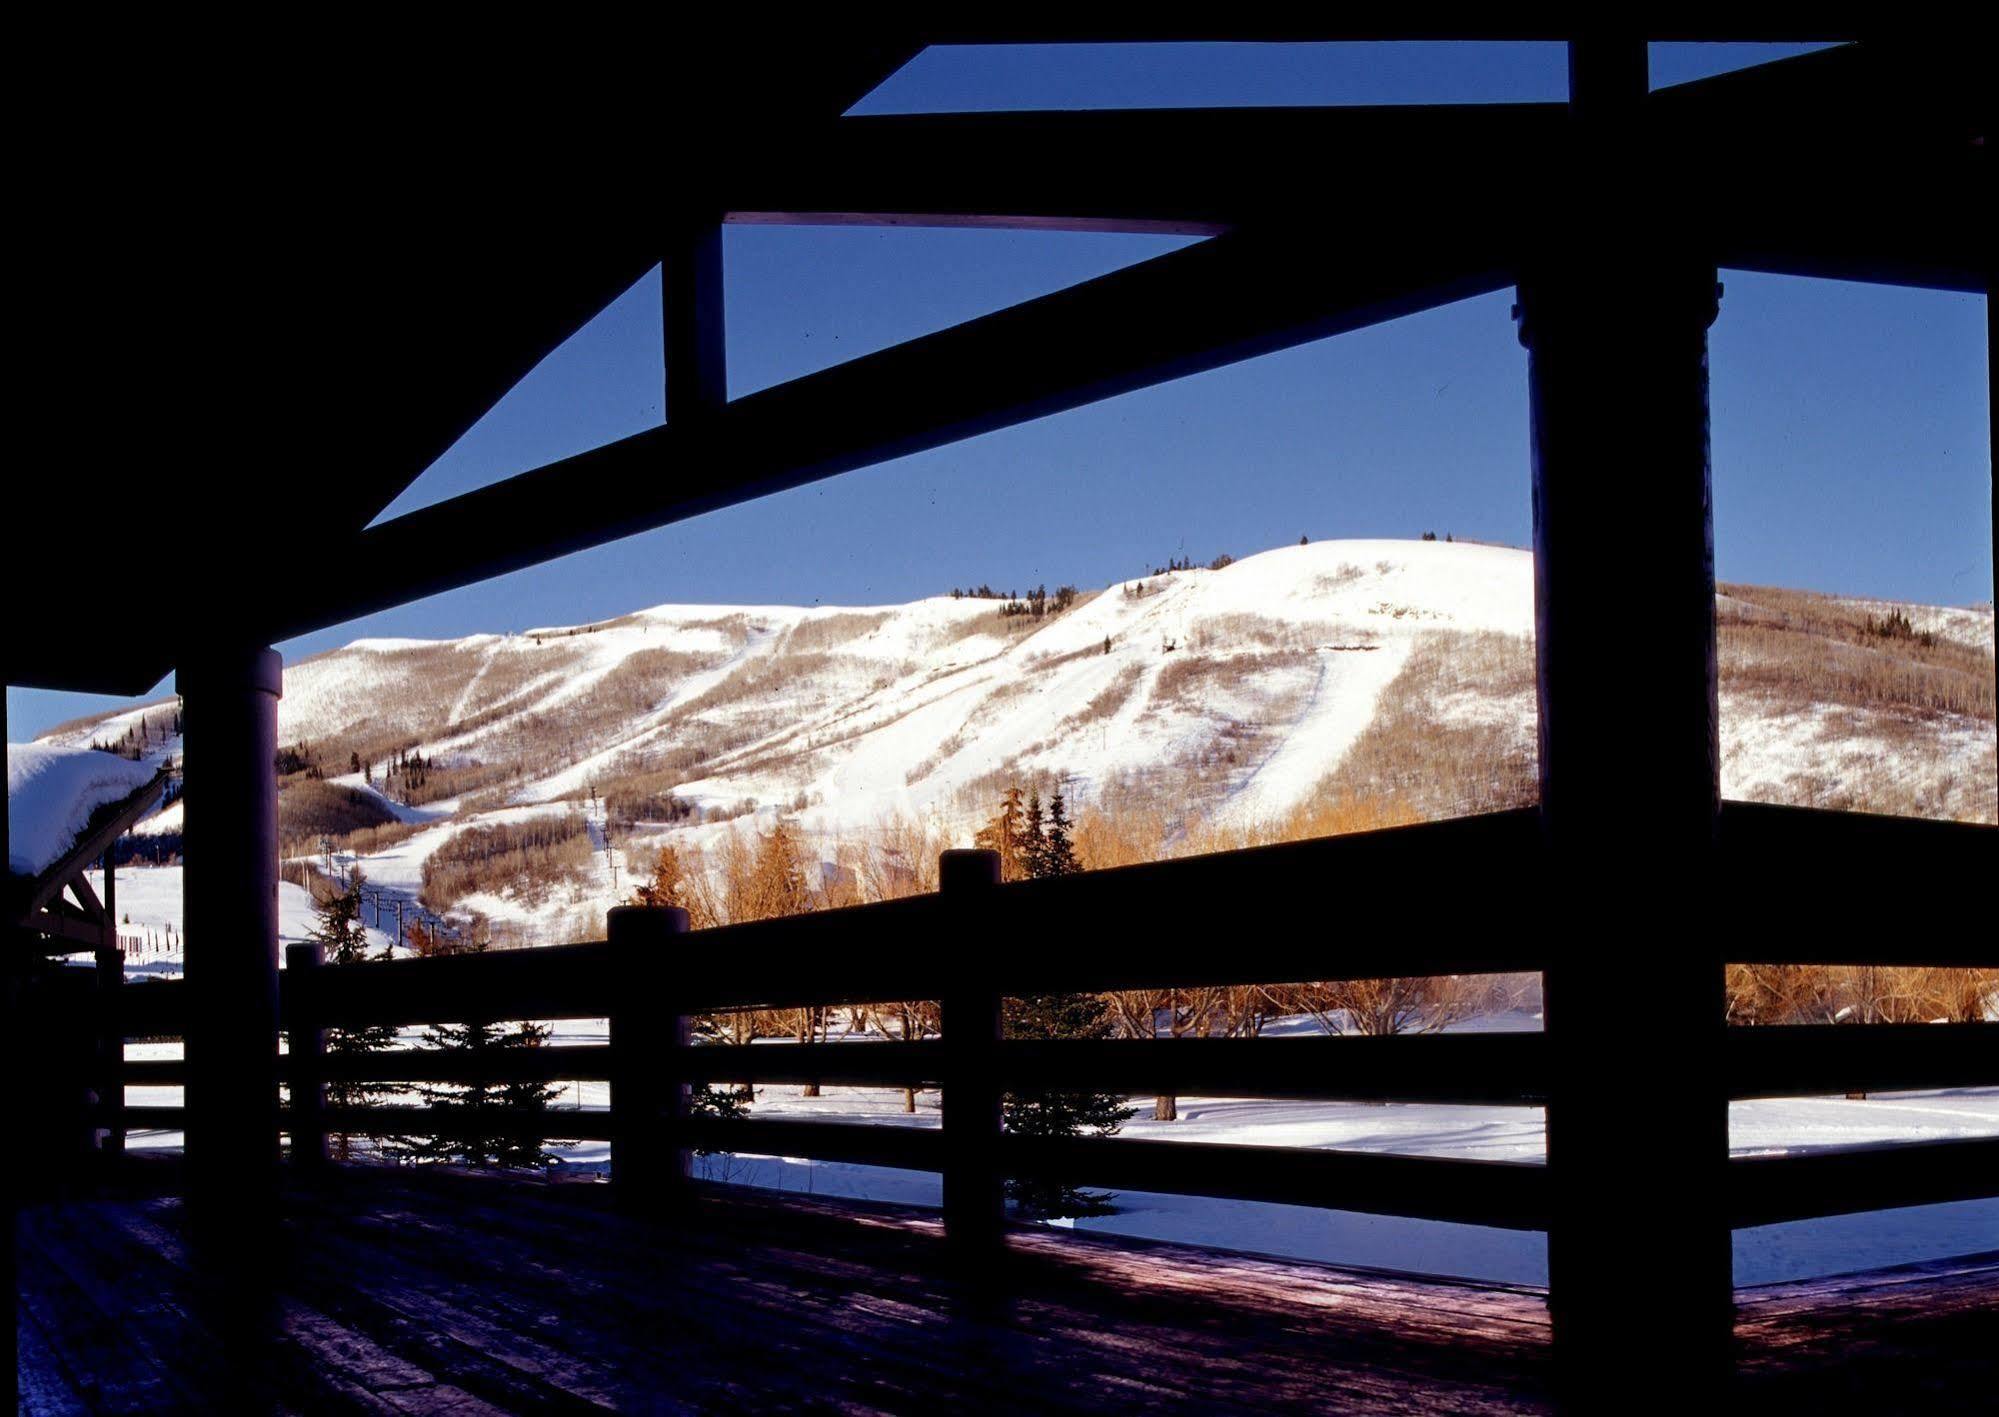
<point x="1058" y="852"/>
<point x="1033" y="843"/>
<point x="1060" y="1112"/>
<point x="1003" y="834"/>
<point x="477" y="1041"/>
<point x="777" y="877"/>
<point x="338" y="931"/>
<point x="708" y="1099"/>
<point x="670" y="885"/>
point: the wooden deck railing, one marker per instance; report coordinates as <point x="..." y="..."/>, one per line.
<point x="1331" y="909"/>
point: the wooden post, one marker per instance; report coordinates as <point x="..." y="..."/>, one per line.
<point x="1614" y="312"/>
<point x="974" y="1196"/>
<point x="649" y="1090"/>
<point x="305" y="1058"/>
<point x="231" y="900"/>
<point x="690" y="277"/>
<point x="109" y="1081"/>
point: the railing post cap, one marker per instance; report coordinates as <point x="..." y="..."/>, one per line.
<point x="968" y="868"/>
<point x="645" y="922"/>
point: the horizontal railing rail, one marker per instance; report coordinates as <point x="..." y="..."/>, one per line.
<point x="1752" y="835"/>
<point x="1811" y="1060"/>
<point x="947" y="947"/>
<point x="562" y="1123"/>
<point x="154" y="1008"/>
<point x="1806" y="1186"/>
<point x="164" y="1119"/>
<point x="1506" y="1194"/>
<point x="552" y="982"/>
<point x="860" y="1143"/>
<point x="1494" y="1068"/>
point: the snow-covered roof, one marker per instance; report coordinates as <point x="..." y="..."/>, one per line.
<point x="53" y="792"/>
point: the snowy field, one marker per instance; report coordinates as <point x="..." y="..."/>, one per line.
<point x="150" y="918"/>
<point x="1763" y="1255"/>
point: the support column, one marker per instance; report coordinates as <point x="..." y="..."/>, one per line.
<point x="1615" y="303"/>
<point x="1639" y="1245"/>
<point x="231" y="905"/>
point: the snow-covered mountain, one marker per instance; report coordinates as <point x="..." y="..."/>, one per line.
<point x="1199" y="700"/>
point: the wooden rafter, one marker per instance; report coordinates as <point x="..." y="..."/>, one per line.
<point x="1854" y="162"/>
<point x="1233" y="298"/>
<point x="1196" y="171"/>
<point x="85" y="897"/>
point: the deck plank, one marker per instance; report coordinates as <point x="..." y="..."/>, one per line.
<point x="437" y="1292"/>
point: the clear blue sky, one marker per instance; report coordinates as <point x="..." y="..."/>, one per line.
<point x="1851" y="434"/>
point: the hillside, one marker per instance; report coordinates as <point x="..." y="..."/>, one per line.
<point x="1307" y="688"/>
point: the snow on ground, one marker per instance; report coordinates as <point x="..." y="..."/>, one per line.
<point x="1349" y="610"/>
<point x="1971" y="626"/>
<point x="1774" y="754"/>
<point x="150" y="918"/>
<point x="150" y="723"/>
<point x="169" y="820"/>
<point x="52" y="792"/>
<point x="1261" y="675"/>
<point x="429" y="812"/>
<point x="1341" y="705"/>
<point x="1763" y="1255"/>
<point x="938" y="682"/>
<point x="846" y="717"/>
<point x="400" y="867"/>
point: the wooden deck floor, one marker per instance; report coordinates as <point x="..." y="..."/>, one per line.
<point x="405" y="1292"/>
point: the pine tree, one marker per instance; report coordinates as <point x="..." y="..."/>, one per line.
<point x="1003" y="834"/>
<point x="338" y="931"/>
<point x="670" y="884"/>
<point x="1058" y="852"/>
<point x="476" y="1041"/>
<point x="1060" y="1112"/>
<point x="1033" y="843"/>
<point x="708" y="1099"/>
<point x="777" y="877"/>
<point x="1031" y="846"/>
